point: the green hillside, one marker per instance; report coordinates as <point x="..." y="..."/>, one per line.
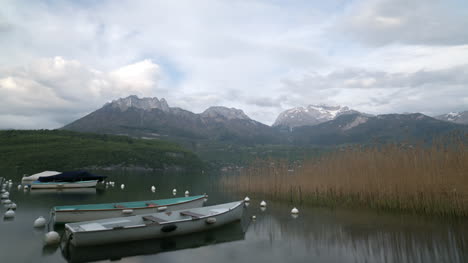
<point x="29" y="151"/>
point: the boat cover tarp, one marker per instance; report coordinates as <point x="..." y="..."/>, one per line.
<point x="34" y="177"/>
<point x="73" y="176"/>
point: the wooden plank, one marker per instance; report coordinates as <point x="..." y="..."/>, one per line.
<point x="192" y="214"/>
<point x="153" y="219"/>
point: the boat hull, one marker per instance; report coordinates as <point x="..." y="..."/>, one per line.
<point x="62" y="185"/>
<point x="64" y="216"/>
<point x="151" y="231"/>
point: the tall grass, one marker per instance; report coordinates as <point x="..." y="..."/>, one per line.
<point x="422" y="179"/>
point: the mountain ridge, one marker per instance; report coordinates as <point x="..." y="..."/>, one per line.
<point x="153" y="118"/>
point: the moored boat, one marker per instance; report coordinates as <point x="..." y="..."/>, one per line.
<point x="77" y="213"/>
<point x="228" y="233"/>
<point x="62" y="185"/>
<point x="156" y="225"/>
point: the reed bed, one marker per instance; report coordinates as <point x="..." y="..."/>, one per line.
<point x="421" y="179"/>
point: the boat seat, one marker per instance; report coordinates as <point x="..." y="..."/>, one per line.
<point x="153" y="219"/>
<point x="192" y="214"/>
<point x="119" y="206"/>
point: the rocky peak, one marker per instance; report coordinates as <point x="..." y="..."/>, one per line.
<point x="224" y="112"/>
<point x="456" y="117"/>
<point x="146" y="104"/>
<point x="310" y="115"/>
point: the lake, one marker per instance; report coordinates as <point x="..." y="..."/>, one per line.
<point x="316" y="235"/>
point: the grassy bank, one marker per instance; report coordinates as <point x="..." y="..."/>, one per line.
<point x="37" y="150"/>
<point x="420" y="179"/>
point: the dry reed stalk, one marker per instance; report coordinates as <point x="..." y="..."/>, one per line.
<point x="429" y="180"/>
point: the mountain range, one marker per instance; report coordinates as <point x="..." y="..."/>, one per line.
<point x="312" y="125"/>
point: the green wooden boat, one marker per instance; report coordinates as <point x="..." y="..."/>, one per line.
<point x="78" y="213"/>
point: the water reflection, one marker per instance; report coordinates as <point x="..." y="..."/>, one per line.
<point x="362" y="236"/>
<point x="228" y="233"/>
<point x="317" y="235"/>
<point x="71" y="191"/>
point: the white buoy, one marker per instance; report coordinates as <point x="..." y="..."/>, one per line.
<point x="26" y="187"/>
<point x="9" y="214"/>
<point x="254" y="217"/>
<point x="187" y="193"/>
<point x="40" y="222"/>
<point x="295" y="211"/>
<point x="122" y="186"/>
<point x="13" y="206"/>
<point x="19" y="187"/>
<point x="52" y="238"/>
<point x="174" y="191"/>
<point x="7" y="201"/>
<point x="247" y="199"/>
<point x="153" y="189"/>
<point x="263" y="204"/>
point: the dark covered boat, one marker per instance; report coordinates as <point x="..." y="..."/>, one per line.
<point x="73" y="176"/>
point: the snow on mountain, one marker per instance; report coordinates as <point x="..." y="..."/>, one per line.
<point x="310" y="115"/>
<point x="146" y="104"/>
<point x="456" y="117"/>
<point x="224" y="112"/>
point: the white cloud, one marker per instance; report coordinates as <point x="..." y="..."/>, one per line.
<point x="57" y="90"/>
<point x="427" y="22"/>
<point x="232" y="53"/>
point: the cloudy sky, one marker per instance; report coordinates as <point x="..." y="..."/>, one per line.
<point x="60" y="60"/>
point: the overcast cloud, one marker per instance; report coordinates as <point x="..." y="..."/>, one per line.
<point x="61" y="60"/>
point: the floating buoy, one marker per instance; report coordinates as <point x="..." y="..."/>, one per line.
<point x="153" y="189"/>
<point x="174" y="191"/>
<point x="247" y="199"/>
<point x="295" y="211"/>
<point x="263" y="204"/>
<point x="9" y="214"/>
<point x="254" y="217"/>
<point x="19" y="187"/>
<point x="7" y="201"/>
<point x="40" y="222"/>
<point x="187" y="193"/>
<point x="26" y="187"/>
<point x="13" y="206"/>
<point x="122" y="186"/>
<point x="52" y="238"/>
<point x="2" y="191"/>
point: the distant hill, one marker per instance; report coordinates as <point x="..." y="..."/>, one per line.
<point x="153" y="118"/>
<point x="221" y="128"/>
<point x="355" y="128"/>
<point x="31" y="151"/>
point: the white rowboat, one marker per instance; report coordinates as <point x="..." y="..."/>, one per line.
<point x="157" y="225"/>
<point x="112" y="252"/>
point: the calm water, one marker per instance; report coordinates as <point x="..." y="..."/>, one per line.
<point x="317" y="235"/>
